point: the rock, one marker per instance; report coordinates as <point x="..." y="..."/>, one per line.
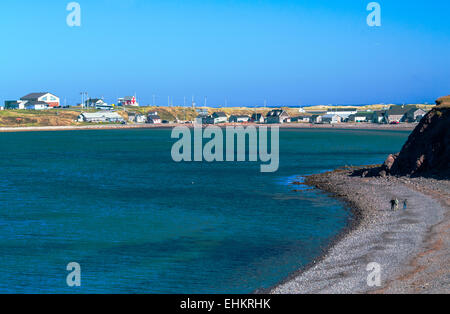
<point x="427" y="151"/>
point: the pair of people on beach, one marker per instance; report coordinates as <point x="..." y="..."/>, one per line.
<point x="395" y="203"/>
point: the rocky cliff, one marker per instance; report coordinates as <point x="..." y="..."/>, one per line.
<point x="427" y="151"/>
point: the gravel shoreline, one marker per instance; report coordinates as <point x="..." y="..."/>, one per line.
<point x="412" y="246"/>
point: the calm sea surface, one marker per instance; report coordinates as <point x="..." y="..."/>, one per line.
<point x="115" y="202"/>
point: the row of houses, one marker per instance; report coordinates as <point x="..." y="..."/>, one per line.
<point x="46" y="100"/>
<point x="395" y="114"/>
<point x="114" y="117"/>
<point x="274" y="116"/>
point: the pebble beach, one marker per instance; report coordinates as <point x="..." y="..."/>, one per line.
<point x="411" y="246"/>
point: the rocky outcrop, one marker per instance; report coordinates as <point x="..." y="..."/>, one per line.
<point x="427" y="151"/>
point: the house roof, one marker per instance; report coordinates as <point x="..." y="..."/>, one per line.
<point x="399" y="110"/>
<point x="95" y="100"/>
<point x="257" y="116"/>
<point x="363" y="114"/>
<point x="219" y="114"/>
<point x="330" y="116"/>
<point x="277" y="113"/>
<point x="103" y="114"/>
<point x="379" y="113"/>
<point x="413" y="110"/>
<point x="32" y="96"/>
<point x="154" y="117"/>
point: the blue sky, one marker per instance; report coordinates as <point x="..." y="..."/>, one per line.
<point x="288" y="52"/>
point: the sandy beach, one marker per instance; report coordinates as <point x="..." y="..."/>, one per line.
<point x="411" y="246"/>
<point x="343" y="126"/>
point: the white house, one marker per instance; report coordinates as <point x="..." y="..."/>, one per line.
<point x="316" y="118"/>
<point x="98" y="104"/>
<point x="219" y="117"/>
<point x="379" y="117"/>
<point x="154" y="119"/>
<point x="344" y="113"/>
<point x="50" y="99"/>
<point x="137" y="118"/>
<point x="258" y="118"/>
<point x="415" y="115"/>
<point x="304" y="119"/>
<point x="331" y="118"/>
<point x="361" y="117"/>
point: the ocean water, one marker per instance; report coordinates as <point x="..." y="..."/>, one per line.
<point x="137" y="222"/>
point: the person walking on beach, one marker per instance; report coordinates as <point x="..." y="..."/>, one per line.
<point x="392" y="205"/>
<point x="396" y="204"/>
<point x="405" y="204"/>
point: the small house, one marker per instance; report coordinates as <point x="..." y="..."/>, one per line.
<point x="397" y="114"/>
<point x="303" y="119"/>
<point x="14" y="104"/>
<point x="137" y="118"/>
<point x="344" y="113"/>
<point x="239" y="119"/>
<point x="316" y="118"/>
<point x="154" y="119"/>
<point x="379" y="117"/>
<point x="258" y="118"/>
<point x="98" y="104"/>
<point x="219" y="117"/>
<point x="278" y="117"/>
<point x="361" y="117"/>
<point x="331" y="118"/>
<point x="414" y="115"/>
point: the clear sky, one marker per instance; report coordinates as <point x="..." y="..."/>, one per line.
<point x="288" y="52"/>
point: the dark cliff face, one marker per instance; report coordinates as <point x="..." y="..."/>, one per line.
<point x="427" y="151"/>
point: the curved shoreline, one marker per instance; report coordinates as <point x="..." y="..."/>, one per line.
<point x="400" y="242"/>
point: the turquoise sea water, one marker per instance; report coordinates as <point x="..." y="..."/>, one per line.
<point x="115" y="202"/>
